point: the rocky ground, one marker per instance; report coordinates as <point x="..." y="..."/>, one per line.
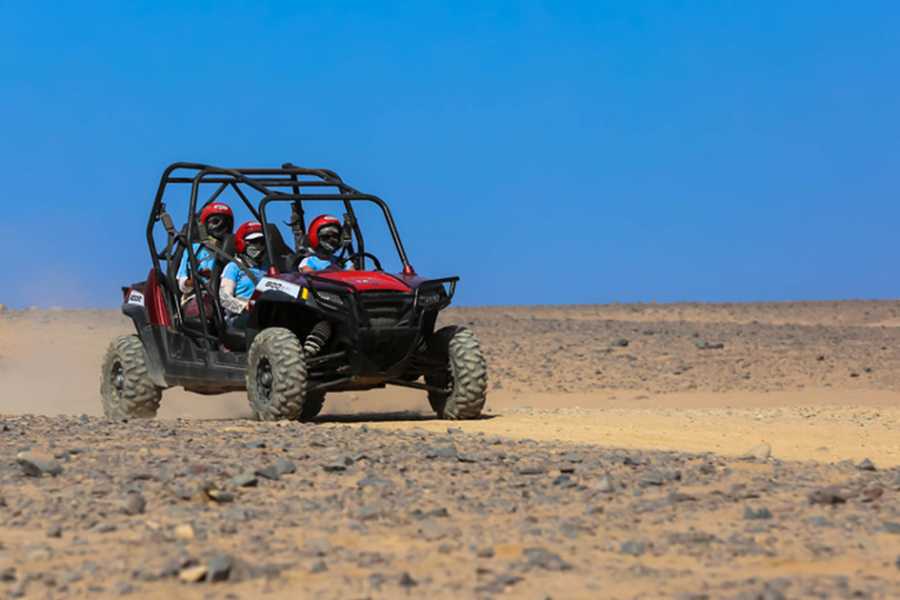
<point x="692" y="347"/>
<point x="235" y="509"/>
<point x="556" y="494"/>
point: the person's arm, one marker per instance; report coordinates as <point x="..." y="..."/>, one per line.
<point x="304" y="266"/>
<point x="185" y="283"/>
<point x="227" y="286"/>
<point x="229" y="301"/>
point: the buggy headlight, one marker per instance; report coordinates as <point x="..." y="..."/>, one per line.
<point x="429" y="299"/>
<point x="331" y="298"/>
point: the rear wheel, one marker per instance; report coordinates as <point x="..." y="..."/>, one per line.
<point x="126" y="390"/>
<point x="276" y="376"/>
<point x="465" y="379"/>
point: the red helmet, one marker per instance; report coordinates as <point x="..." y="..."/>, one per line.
<point x="317" y="224"/>
<point x="246" y="230"/>
<point x="216" y="208"/>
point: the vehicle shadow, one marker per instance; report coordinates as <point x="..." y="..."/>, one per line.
<point x="385" y="417"/>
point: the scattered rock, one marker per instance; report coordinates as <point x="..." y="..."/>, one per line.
<point x="531" y="469"/>
<point x="761" y="451"/>
<point x="891" y="527"/>
<point x="185" y="532"/>
<point x="757" y="513"/>
<point x="38" y="465"/>
<point x="220" y="496"/>
<point x="407" y="581"/>
<point x="633" y="547"/>
<point x="337" y="464"/>
<point x="269" y="472"/>
<point x="619" y="343"/>
<point x="134" y="504"/>
<point x="705" y="345"/>
<point x="318" y="567"/>
<point x="218" y="567"/>
<point x="193" y="574"/>
<point x="605" y="485"/>
<point x="865" y="465"/>
<point x="284" y="466"/>
<point x="441" y="452"/>
<point x="828" y="495"/>
<point x="245" y="479"/>
<point x="544" y="559"/>
<point x="55" y="531"/>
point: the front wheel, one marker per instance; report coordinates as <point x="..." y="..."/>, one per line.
<point x="126" y="390"/>
<point x="276" y="376"/>
<point x="465" y="379"/>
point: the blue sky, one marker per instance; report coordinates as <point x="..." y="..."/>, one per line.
<point x="547" y="152"/>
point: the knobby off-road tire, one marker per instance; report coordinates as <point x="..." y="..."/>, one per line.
<point x="465" y="379"/>
<point x="312" y="405"/>
<point x="126" y="389"/>
<point x="276" y="377"/>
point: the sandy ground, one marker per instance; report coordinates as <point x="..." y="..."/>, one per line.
<point x="816" y="381"/>
<point x="633" y="389"/>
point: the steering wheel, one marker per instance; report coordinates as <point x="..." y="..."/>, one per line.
<point x="364" y="255"/>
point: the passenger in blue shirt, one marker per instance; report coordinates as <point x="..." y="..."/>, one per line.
<point x="240" y="276"/>
<point x="217" y="221"/>
<point x="324" y="238"/>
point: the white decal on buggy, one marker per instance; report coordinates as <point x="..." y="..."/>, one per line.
<point x="267" y="284"/>
<point x="135" y="298"/>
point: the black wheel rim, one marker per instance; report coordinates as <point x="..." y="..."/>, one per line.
<point x="264" y="380"/>
<point x="117" y="377"/>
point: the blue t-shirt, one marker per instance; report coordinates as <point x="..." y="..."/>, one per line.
<point x="244" y="286"/>
<point x="206" y="260"/>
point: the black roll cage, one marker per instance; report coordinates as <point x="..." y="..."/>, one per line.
<point x="267" y="181"/>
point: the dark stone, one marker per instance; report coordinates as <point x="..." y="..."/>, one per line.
<point x="38" y="465"/>
<point x="500" y="584"/>
<point x="485" y="552"/>
<point x="633" y="547"/>
<point x="656" y="478"/>
<point x="337" y="464"/>
<point x="373" y="480"/>
<point x="245" y="479"/>
<point x="134" y="504"/>
<point x="218" y="568"/>
<point x="704" y="345"/>
<point x="54" y="531"/>
<point x="440" y="452"/>
<point x="370" y="512"/>
<point x="407" y="581"/>
<point x="318" y="567"/>
<point x="866" y="465"/>
<point x="220" y="496"/>
<point x="619" y="343"/>
<point x="544" y="559"/>
<point x="828" y="495"/>
<point x="758" y="513"/>
<point x="284" y="466"/>
<point x="891" y="527"/>
<point x="269" y="472"/>
<point x="531" y="470"/>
